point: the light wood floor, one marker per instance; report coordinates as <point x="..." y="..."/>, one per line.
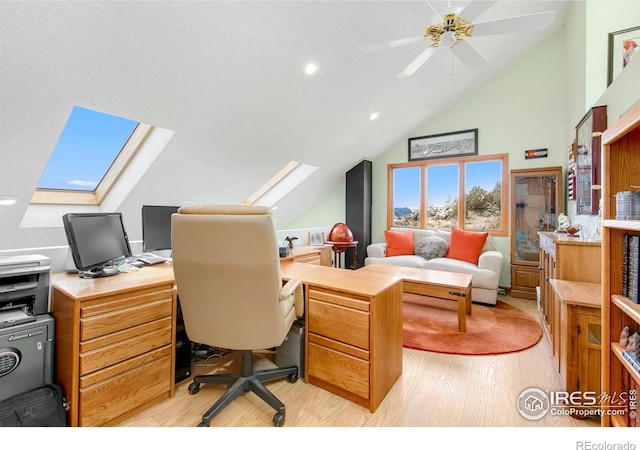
<point x="434" y="390"/>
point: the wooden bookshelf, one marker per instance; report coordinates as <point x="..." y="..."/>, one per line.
<point x="620" y="172"/>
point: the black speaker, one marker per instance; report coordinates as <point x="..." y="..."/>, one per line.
<point x="183" y="349"/>
<point x="358" y="209"/>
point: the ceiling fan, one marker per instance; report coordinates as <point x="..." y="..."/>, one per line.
<point x="457" y="26"/>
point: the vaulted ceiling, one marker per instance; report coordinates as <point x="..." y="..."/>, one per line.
<point x="227" y="78"/>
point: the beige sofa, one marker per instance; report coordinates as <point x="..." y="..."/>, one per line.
<point x="486" y="274"/>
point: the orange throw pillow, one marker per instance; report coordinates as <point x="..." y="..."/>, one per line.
<point x="466" y="245"/>
<point x="399" y="242"/>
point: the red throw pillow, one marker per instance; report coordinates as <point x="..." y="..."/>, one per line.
<point x="466" y="245"/>
<point x="399" y="242"/>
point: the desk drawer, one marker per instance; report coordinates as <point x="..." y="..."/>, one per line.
<point x="92" y="326"/>
<point x="339" y="369"/>
<point x="107" y="400"/>
<point x="548" y="245"/>
<point x="124" y="349"/>
<point x="338" y="322"/>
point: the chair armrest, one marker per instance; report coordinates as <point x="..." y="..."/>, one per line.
<point x="491" y="260"/>
<point x="377" y="250"/>
<point x="293" y="287"/>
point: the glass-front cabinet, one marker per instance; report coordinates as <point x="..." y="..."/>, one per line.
<point x="588" y="162"/>
<point x="536" y="202"/>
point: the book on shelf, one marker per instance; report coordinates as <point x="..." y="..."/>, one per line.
<point x="631" y="359"/>
<point x="625" y="266"/>
<point x="631" y="267"/>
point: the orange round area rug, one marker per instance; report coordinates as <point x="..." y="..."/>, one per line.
<point x="431" y="324"/>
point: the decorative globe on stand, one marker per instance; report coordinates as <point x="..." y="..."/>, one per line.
<point x="340" y="238"/>
<point x="340" y="232"/>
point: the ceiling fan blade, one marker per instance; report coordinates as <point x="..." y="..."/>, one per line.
<point x="518" y="24"/>
<point x="423" y="10"/>
<point x="417" y="63"/>
<point x="436" y="12"/>
<point x="468" y="55"/>
<point x="391" y="44"/>
<point x="474" y="9"/>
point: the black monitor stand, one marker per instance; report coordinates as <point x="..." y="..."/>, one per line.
<point x="99" y="272"/>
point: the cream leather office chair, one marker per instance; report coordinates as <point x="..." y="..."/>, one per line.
<point x="227" y="271"/>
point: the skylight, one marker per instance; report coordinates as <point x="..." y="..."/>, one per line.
<point x="88" y="146"/>
<point x="92" y="151"/>
<point x="281" y="184"/>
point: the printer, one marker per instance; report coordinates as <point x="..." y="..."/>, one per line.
<point x="24" y="288"/>
<point x="27" y="331"/>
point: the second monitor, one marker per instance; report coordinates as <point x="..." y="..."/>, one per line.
<point x="156" y="227"/>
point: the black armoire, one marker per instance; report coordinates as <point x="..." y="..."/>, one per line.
<point x="358" y="208"/>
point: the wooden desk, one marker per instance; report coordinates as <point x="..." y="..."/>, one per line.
<point x="310" y="254"/>
<point x="432" y="283"/>
<point x="115" y="342"/>
<point x="353" y="331"/>
<point x="115" y="338"/>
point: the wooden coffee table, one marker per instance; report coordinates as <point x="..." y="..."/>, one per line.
<point x="432" y="283"/>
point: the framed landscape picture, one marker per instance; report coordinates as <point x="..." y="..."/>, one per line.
<point x="445" y="145"/>
<point x="623" y="46"/>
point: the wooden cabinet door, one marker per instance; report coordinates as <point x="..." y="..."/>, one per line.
<point x="589" y="352"/>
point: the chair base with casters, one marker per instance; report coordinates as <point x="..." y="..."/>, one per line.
<point x="247" y="380"/>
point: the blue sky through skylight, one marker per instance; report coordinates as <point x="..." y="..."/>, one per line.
<point x="87" y="147"/>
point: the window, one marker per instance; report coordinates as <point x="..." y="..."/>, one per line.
<point x="468" y="193"/>
<point x="406" y="197"/>
<point x="281" y="184"/>
<point x="92" y="151"/>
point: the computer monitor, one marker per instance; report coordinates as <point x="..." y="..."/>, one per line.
<point x="156" y="227"/>
<point x="96" y="241"/>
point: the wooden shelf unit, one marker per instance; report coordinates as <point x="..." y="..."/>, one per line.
<point x="620" y="171"/>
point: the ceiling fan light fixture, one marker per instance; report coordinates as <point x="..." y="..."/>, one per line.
<point x="447" y="39"/>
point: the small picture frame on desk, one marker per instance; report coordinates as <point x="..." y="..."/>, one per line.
<point x="316" y="239"/>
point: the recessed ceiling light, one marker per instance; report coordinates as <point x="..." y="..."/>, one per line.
<point x="8" y="200"/>
<point x="311" y="68"/>
<point x="374" y="115"/>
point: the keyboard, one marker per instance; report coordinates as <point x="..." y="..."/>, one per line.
<point x="150" y="258"/>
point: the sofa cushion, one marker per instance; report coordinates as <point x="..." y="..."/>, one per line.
<point x="399" y="242"/>
<point x="431" y="247"/>
<point x="466" y="245"/>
